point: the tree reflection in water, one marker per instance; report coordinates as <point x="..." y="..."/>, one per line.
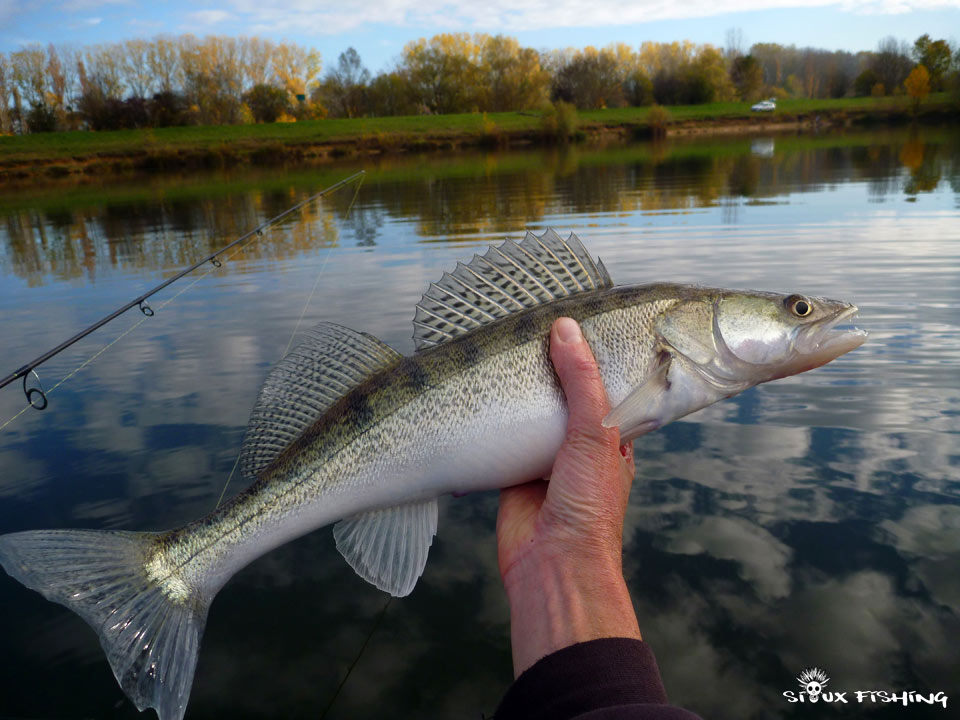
<point x="812" y="521"/>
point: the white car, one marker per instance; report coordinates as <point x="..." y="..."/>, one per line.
<point x="764" y="106"/>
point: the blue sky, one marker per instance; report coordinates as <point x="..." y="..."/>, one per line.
<point x="378" y="29"/>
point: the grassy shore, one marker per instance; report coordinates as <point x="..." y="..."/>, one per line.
<point x="42" y="155"/>
<point x="410" y="169"/>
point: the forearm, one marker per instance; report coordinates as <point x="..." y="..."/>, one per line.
<point x="555" y="603"/>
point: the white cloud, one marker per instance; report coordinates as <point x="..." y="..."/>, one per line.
<point x="87" y="5"/>
<point x="85" y="23"/>
<point x="504" y="15"/>
<point x="208" y="17"/>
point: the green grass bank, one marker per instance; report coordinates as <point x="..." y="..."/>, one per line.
<point x="47" y="155"/>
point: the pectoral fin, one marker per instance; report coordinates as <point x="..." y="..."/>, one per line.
<point x="637" y="413"/>
<point x="389" y="547"/>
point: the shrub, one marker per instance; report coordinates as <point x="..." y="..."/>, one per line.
<point x="114" y="114"/>
<point x="168" y="109"/>
<point x="489" y="132"/>
<point x="267" y="102"/>
<point x="658" y="118"/>
<point x="639" y="89"/>
<point x="41" y="118"/>
<point x="559" y="121"/>
<point x="863" y="85"/>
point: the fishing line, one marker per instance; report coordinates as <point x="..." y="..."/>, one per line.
<point x="386" y="605"/>
<point x="226" y="253"/>
<point x="296" y="328"/>
<point x="141" y="301"/>
<point x="317" y="281"/>
<point x="147" y="314"/>
<point x="357" y="658"/>
<point x="227" y="483"/>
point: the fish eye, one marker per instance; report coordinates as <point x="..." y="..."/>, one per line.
<point x="798" y="305"/>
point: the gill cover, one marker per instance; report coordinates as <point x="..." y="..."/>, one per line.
<point x="691" y="372"/>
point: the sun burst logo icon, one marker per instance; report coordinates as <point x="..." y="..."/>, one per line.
<point x="813" y="681"/>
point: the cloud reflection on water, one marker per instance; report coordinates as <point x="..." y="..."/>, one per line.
<point x="810" y="521"/>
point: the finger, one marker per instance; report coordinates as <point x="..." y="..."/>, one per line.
<point x="584" y="482"/>
<point x="580" y="379"/>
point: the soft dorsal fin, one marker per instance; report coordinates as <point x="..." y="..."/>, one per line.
<point x="506" y="279"/>
<point x="389" y="547"/>
<point x="332" y="360"/>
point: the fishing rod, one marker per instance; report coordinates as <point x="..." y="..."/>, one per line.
<point x="141" y="301"/>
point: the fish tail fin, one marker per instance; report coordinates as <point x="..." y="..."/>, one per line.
<point x="151" y="636"/>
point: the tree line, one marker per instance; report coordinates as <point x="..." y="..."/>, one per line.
<point x="222" y="80"/>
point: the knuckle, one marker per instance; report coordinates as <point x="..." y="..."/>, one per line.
<point x="584" y="365"/>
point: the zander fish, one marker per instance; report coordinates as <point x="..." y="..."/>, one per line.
<point x="348" y="431"/>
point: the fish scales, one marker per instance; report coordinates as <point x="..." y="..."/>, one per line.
<point x="382" y="418"/>
<point x="347" y="431"/>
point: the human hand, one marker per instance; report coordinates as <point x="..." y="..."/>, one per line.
<point x="560" y="542"/>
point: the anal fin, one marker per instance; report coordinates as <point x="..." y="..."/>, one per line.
<point x="389" y="547"/>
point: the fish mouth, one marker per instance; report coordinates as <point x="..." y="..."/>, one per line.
<point x="818" y="344"/>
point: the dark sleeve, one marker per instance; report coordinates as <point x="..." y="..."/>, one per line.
<point x="606" y="679"/>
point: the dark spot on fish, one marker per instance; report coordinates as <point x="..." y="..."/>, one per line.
<point x="523" y="327"/>
<point x="471" y="353"/>
<point x="362" y="410"/>
<point x="591" y="305"/>
<point x="417" y="379"/>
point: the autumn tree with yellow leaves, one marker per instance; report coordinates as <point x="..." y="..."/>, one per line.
<point x="163" y="81"/>
<point x="917" y="85"/>
<point x="185" y="79"/>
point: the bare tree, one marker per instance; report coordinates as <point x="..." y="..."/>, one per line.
<point x="29" y="72"/>
<point x="256" y="56"/>
<point x="344" y="86"/>
<point x="163" y="61"/>
<point x="135" y="68"/>
<point x="734" y="45"/>
<point x="6" y="97"/>
<point x="891" y="63"/>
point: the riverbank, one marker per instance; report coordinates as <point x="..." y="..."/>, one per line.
<point x="50" y="155"/>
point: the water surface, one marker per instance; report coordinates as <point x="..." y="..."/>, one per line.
<point x="814" y="521"/>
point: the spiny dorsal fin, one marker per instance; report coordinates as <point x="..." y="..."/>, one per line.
<point x="506" y="279"/>
<point x="332" y="360"/>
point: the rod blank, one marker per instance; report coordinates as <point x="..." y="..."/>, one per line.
<point x="141" y="300"/>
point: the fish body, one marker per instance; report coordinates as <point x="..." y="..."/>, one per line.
<point x="479" y="412"/>
<point x="348" y="431"/>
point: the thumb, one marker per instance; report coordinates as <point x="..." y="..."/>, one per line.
<point x="580" y="493"/>
<point x="580" y="379"/>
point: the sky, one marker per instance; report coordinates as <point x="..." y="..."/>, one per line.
<point x="378" y="29"/>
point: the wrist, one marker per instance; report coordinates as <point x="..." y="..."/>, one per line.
<point x="558" y="602"/>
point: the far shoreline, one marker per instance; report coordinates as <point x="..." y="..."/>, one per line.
<point x="28" y="159"/>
